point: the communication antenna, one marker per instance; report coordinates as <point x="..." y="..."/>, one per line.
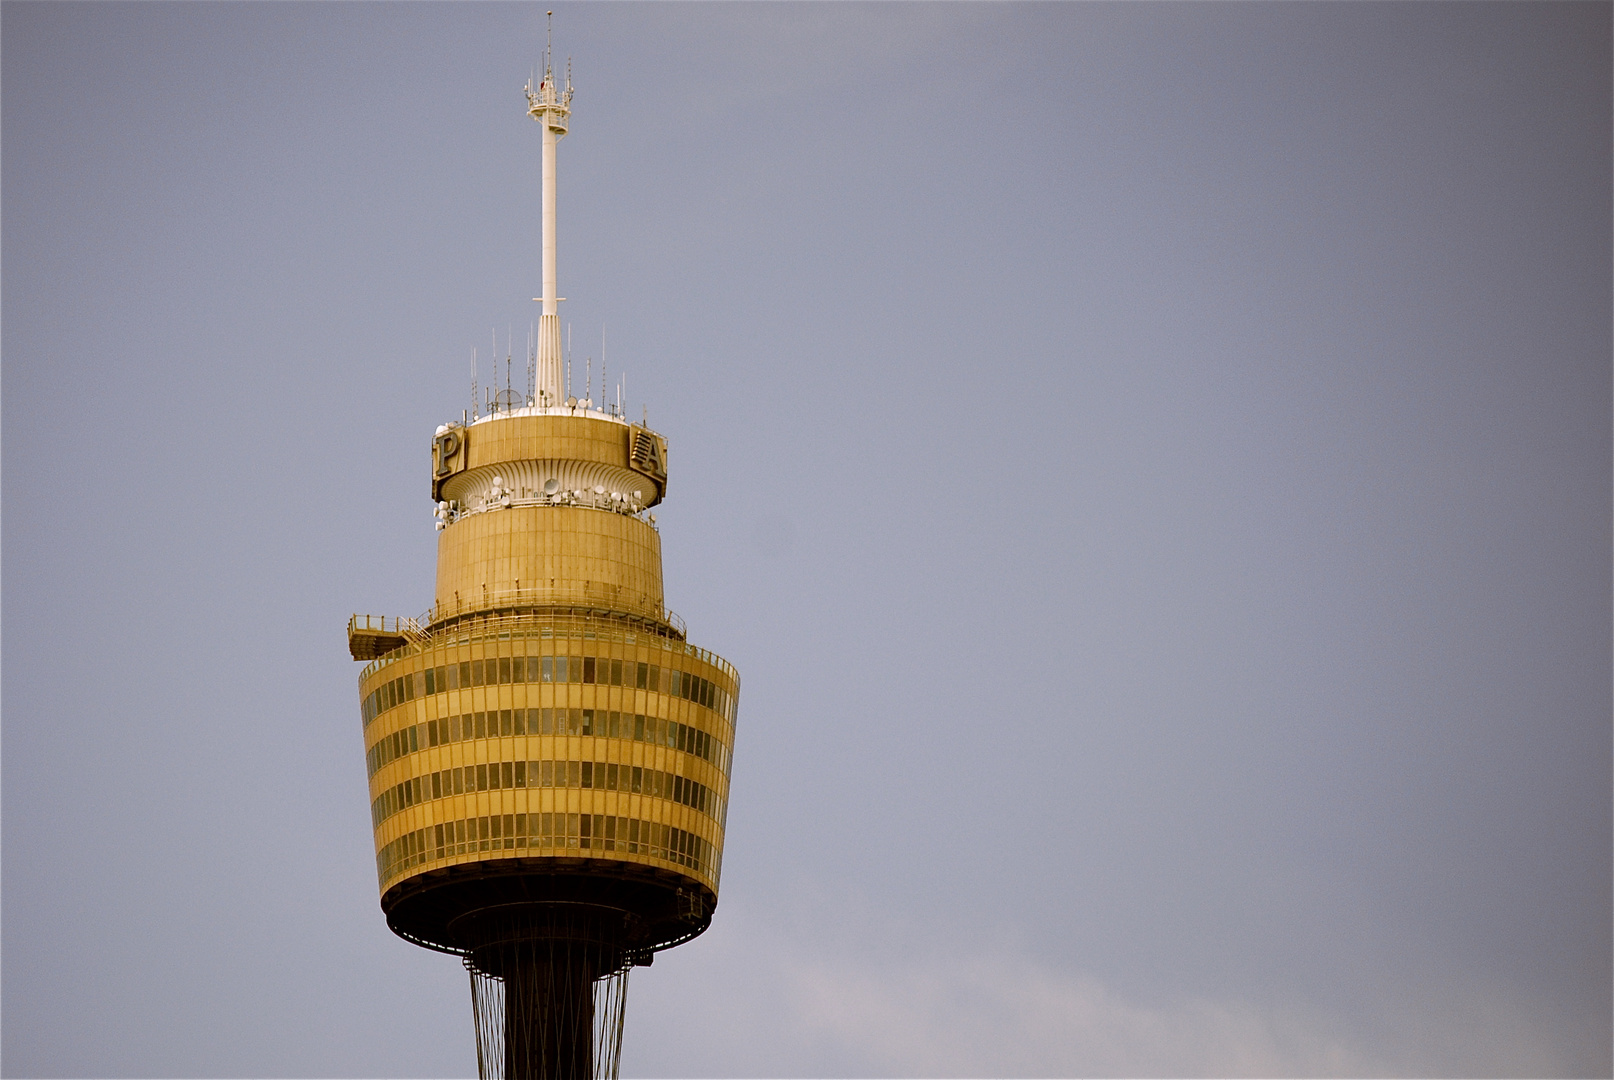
<point x="532" y="368"/>
<point x="550" y="105"/>
<point x="588" y="379"/>
<point x="474" y="408"/>
<point x="605" y="402"/>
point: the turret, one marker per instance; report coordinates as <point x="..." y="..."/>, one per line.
<point x="548" y="755"/>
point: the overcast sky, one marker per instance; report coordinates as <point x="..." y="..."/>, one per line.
<point x="1150" y="465"/>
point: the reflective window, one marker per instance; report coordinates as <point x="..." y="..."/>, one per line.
<point x="595" y="722"/>
<point x="517" y="832"/>
<point x="578" y="669"/>
<point x="494" y="776"/>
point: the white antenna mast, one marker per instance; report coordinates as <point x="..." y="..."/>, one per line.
<point x="474" y="407"/>
<point x="605" y="399"/>
<point x="551" y="107"/>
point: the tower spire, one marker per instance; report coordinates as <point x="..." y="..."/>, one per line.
<point x="551" y="107"/>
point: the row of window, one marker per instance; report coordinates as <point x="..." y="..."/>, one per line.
<point x="498" y="722"/>
<point x="497" y="775"/>
<point x="535" y="832"/>
<point x="601" y="670"/>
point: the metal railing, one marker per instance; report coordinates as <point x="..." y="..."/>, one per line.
<point x="597" y="624"/>
<point x="402" y="625"/>
<point x="604" y="600"/>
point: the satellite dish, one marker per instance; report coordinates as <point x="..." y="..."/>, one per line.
<point x="498" y="481"/>
<point x="599" y="489"/>
<point x="551" y="486"/>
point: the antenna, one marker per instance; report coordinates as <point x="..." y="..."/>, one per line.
<point x="588" y="379"/>
<point x="474" y="412"/>
<point x="604" y="401"/>
<point x="551" y="108"/>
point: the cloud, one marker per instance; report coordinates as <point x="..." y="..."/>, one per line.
<point x="749" y="1000"/>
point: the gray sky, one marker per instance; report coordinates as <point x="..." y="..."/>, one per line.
<point x="1149" y="463"/>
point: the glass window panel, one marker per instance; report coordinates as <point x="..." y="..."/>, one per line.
<point x="611" y="777"/>
<point x="547" y="668"/>
<point x="588" y="774"/>
<point x="641" y="675"/>
<point x="504" y="722"/>
<point x="521" y="774"/>
<point x="638" y="727"/>
<point x="574" y="774"/>
<point x="638" y="778"/>
<point x="507" y="774"/>
<point x="465" y="673"/>
<point x="588" y="669"/>
<point x="546" y="723"/>
<point x="481" y="778"/>
<point x="588" y="721"/>
<point x="476" y="673"/>
<point x="575" y="666"/>
<point x="504" y="669"/>
<point x="616" y="673"/>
